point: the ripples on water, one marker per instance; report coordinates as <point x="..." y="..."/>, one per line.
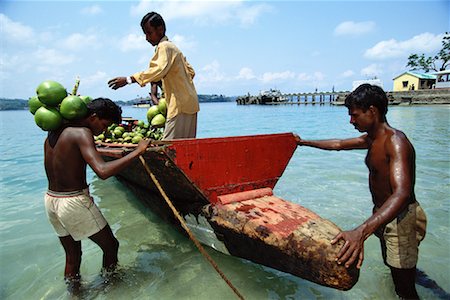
<point x="157" y="262"/>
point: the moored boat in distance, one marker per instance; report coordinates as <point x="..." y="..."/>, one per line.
<point x="223" y="188"/>
<point x="143" y="103"/>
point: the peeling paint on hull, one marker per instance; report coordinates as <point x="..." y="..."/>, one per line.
<point x="223" y="189"/>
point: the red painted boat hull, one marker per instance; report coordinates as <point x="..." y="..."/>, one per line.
<point x="226" y="185"/>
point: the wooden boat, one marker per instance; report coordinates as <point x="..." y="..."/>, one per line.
<point x="223" y="189"/>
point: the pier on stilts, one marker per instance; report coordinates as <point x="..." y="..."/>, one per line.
<point x="320" y="98"/>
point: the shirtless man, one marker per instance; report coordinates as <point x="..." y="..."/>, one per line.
<point x="397" y="218"/>
<point x="70" y="208"/>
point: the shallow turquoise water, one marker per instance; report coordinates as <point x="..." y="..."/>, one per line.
<point x="157" y="262"/>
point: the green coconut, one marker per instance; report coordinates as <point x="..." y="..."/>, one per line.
<point x="158" y="121"/>
<point x="48" y="118"/>
<point x="152" y="112"/>
<point x="34" y="104"/>
<point x="51" y="93"/>
<point x="86" y="99"/>
<point x="162" y="106"/>
<point x="73" y="107"/>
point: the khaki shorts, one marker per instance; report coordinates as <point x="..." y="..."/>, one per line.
<point x="74" y="213"/>
<point x="180" y="127"/>
<point x="401" y="237"/>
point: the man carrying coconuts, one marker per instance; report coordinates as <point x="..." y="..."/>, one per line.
<point x="170" y="66"/>
<point x="70" y="208"/>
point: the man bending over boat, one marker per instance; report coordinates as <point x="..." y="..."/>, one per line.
<point x="397" y="219"/>
<point x="70" y="208"/>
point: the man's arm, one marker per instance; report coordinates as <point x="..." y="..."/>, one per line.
<point x="335" y="144"/>
<point x="154" y="93"/>
<point x="95" y="161"/>
<point x="401" y="178"/>
<point x="160" y="64"/>
<point x="119" y="82"/>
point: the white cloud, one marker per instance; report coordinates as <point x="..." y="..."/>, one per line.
<point x="372" y="70"/>
<point x="12" y="63"/>
<point x="78" y="41"/>
<point x="92" y="10"/>
<point x="276" y="76"/>
<point x="133" y="42"/>
<point x="316" y="76"/>
<point x="205" y="12"/>
<point x="422" y="43"/>
<point x="211" y="73"/>
<point x="183" y="43"/>
<point x="248" y="15"/>
<point x="15" y="31"/>
<point x="348" y="73"/>
<point x="303" y="77"/>
<point x="48" y="59"/>
<point x="350" y="28"/>
<point x="94" y="79"/>
<point x="246" y="73"/>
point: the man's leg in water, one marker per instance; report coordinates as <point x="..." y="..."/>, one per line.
<point x="73" y="262"/>
<point x="73" y="257"/>
<point x="405" y="282"/>
<point x="106" y="240"/>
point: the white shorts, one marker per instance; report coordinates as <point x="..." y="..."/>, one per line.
<point x="74" y="213"/>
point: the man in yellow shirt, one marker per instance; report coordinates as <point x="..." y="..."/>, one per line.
<point x="170" y="66"/>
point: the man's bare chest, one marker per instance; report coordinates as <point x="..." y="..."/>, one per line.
<point x="377" y="160"/>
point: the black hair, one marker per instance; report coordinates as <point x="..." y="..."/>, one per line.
<point x="367" y="95"/>
<point x="105" y="109"/>
<point x="154" y="19"/>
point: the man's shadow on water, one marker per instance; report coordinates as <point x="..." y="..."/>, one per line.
<point x="422" y="279"/>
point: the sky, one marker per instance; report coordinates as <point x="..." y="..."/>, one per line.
<point x="235" y="47"/>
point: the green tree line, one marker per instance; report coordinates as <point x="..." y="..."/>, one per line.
<point x="19" y="104"/>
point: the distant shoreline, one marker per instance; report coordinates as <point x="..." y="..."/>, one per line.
<point x="21" y="104"/>
<point x="419" y="97"/>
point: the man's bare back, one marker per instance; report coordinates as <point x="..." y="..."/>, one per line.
<point x="64" y="163"/>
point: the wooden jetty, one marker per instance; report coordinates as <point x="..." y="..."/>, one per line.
<point x="321" y="98"/>
<point x="417" y="97"/>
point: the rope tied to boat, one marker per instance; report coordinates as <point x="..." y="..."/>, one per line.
<point x="186" y="228"/>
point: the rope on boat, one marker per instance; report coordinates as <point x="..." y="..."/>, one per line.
<point x="189" y="232"/>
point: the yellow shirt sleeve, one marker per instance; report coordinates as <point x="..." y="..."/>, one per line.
<point x="189" y="68"/>
<point x="159" y="65"/>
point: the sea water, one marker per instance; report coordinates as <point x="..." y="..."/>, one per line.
<point x="158" y="262"/>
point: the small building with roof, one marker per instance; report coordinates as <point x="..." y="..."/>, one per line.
<point x="409" y="81"/>
<point x="443" y="79"/>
